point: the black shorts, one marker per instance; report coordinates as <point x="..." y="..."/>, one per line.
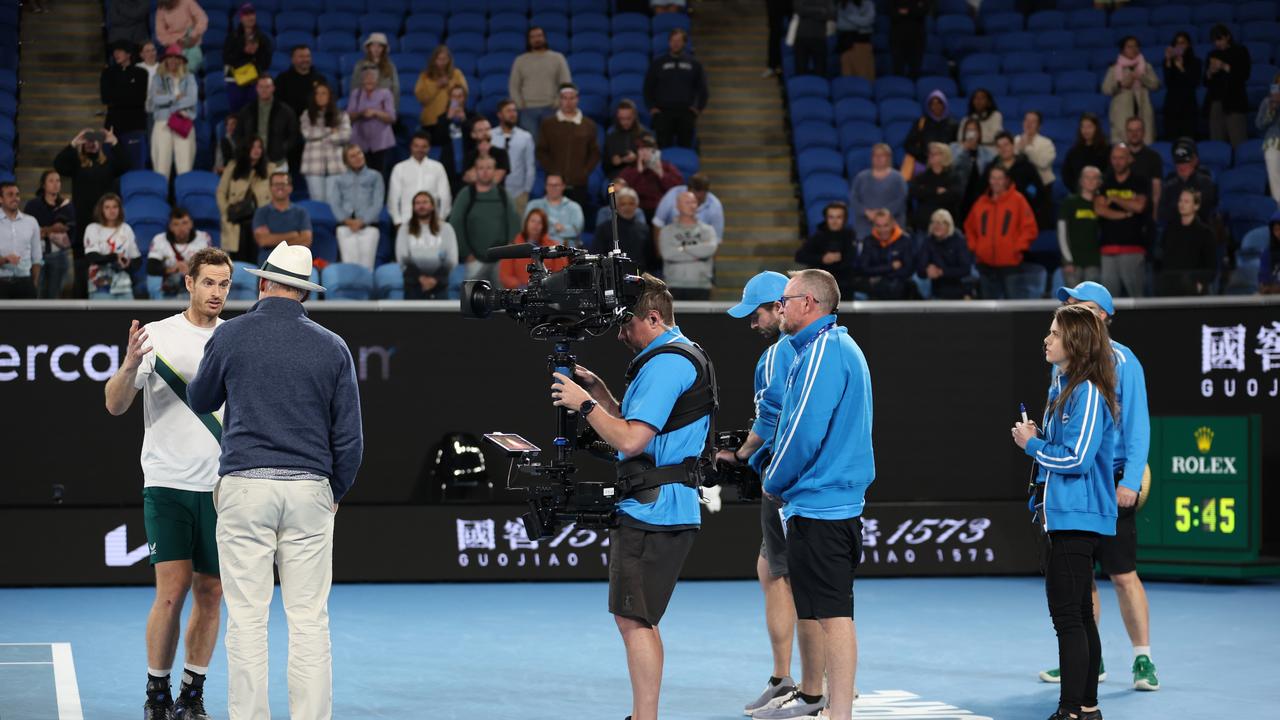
<point x="773" y="546"/>
<point x="643" y="569"/>
<point x="1118" y="554"/>
<point x="822" y="556"/>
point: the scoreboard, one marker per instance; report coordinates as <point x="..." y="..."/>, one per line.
<point x="1203" y="515"/>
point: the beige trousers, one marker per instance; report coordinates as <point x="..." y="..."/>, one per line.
<point x="288" y="524"/>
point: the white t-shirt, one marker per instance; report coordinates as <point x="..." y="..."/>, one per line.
<point x="110" y="241"/>
<point x="163" y="250"/>
<point x="178" y="451"/>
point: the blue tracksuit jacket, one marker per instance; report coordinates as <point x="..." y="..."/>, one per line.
<point x="1076" y="455"/>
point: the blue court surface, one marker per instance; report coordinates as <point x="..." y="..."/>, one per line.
<point x="928" y="648"/>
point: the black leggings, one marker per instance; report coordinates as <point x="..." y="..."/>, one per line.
<point x="1068" y="584"/>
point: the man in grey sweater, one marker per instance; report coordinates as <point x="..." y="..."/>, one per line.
<point x="290" y="451"/>
<point x="536" y="77"/>
<point x="688" y="248"/>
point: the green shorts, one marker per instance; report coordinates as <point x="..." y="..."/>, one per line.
<point x="181" y="525"/>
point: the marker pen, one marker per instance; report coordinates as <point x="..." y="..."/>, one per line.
<point x="1022" y="408"/>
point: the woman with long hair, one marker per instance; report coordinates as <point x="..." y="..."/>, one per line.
<point x="1181" y="79"/>
<point x="174" y="99"/>
<point x="1130" y="82"/>
<point x="57" y="219"/>
<point x="982" y="107"/>
<point x="514" y="273"/>
<point x="1091" y="148"/>
<point x="435" y="83"/>
<point x="1075" y="500"/>
<point x="378" y="57"/>
<point x="246" y="46"/>
<point x="110" y="249"/>
<point x="326" y="130"/>
<point x="245" y="186"/>
<point x="427" y="250"/>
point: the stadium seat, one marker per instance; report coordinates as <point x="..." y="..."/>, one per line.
<point x="1206" y="14"/>
<point x="1255" y="11"/>
<point x="196" y="182"/>
<point x="356" y="6"/>
<point x="324" y="240"/>
<point x="1030" y="83"/>
<point x="520" y="7"/>
<point x="339" y="22"/>
<point x="1060" y="61"/>
<point x="631" y="42"/>
<point x="285" y="41"/>
<point x="146" y="208"/>
<point x="855" y="109"/>
<point x="1046" y="105"/>
<point x="1247" y="180"/>
<point x="1262" y="31"/>
<point x="1130" y="17"/>
<point x="997" y="85"/>
<point x="467" y="22"/>
<point x="204" y="212"/>
<point x="7" y="129"/>
<point x="495" y="63"/>
<point x="299" y="21"/>
<point x="1061" y="130"/>
<point x="890" y="86"/>
<point x="389" y="25"/>
<point x="630" y="23"/>
<point x="590" y="42"/>
<point x="1215" y="155"/>
<point x="858" y="134"/>
<point x="683" y="158"/>
<point x="1075" y="81"/>
<point x="664" y="23"/>
<point x="1056" y="40"/>
<point x="1047" y="20"/>
<point x="980" y="64"/>
<point x="1170" y="15"/>
<point x="804" y="86"/>
<point x="630" y="85"/>
<point x="850" y="86"/>
<point x="818" y="160"/>
<point x="388" y="282"/>
<point x="927" y="84"/>
<point x="590" y="22"/>
<point x="1022" y="62"/>
<point x="955" y="25"/>
<point x="507" y="42"/>
<point x="899" y="109"/>
<point x="1074" y="103"/>
<point x="425" y="23"/>
<point x="895" y="134"/>
<point x="997" y="23"/>
<point x="812" y="134"/>
<point x="347" y="281"/>
<point x="1249" y="153"/>
<point x="337" y="42"/>
<point x="812" y="109"/>
<point x="419" y="42"/>
<point x="1246" y="212"/>
<point x="822" y="187"/>
<point x="143" y="183"/>
<point x="624" y="63"/>
<point x="551" y="22"/>
<point x="511" y="23"/>
<point x="585" y="62"/>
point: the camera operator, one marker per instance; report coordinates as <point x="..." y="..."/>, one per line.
<point x="760" y="301"/>
<point x="661" y="429"/>
<point x="822" y="478"/>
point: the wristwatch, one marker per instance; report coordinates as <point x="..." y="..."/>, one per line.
<point x="586" y="407"/>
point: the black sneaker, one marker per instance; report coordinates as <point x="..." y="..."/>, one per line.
<point x="157" y="711"/>
<point x="191" y="708"/>
<point x="1091" y="714"/>
<point x="1062" y="715"/>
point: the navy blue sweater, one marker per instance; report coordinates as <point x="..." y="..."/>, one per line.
<point x="291" y="395"/>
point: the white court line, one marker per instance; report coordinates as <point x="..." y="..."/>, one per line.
<point x="64" y="680"/>
<point x="42" y="662"/>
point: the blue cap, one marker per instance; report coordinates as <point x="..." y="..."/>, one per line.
<point x="764" y="288"/>
<point x="1089" y="291"/>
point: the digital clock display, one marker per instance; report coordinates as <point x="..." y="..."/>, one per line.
<point x="1211" y="514"/>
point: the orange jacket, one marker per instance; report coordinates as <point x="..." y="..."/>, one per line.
<point x="1000" y="230"/>
<point x="514" y="273"/>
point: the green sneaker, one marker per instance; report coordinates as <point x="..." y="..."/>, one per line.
<point x="1144" y="674"/>
<point x="1055" y="675"/>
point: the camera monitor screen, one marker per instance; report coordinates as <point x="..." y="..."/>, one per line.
<point x="511" y="443"/>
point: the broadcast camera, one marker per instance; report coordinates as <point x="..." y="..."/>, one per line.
<point x="742" y="476"/>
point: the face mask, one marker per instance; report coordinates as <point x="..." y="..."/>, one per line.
<point x="971" y="135"/>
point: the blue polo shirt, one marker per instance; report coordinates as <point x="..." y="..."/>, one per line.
<point x="649" y="399"/>
<point x="293" y="219"/>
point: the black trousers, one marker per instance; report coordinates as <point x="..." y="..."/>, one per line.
<point x="1068" y="585"/>
<point x="17" y="288"/>
<point x="779" y="12"/>
<point x="674" y="126"/>
<point x="811" y="56"/>
<point x="413" y="287"/>
<point x="906" y="49"/>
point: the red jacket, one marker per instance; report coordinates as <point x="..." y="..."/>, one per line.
<point x="1000" y="230"/>
<point x="514" y="272"/>
<point x="649" y="186"/>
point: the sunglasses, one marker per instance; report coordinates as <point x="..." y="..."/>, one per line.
<point x="783" y="300"/>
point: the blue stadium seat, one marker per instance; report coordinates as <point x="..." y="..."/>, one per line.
<point x="286" y="21"/>
<point x="507" y="42"/>
<point x="630" y="23"/>
<point x="498" y="63"/>
<point x="1262" y="31"/>
<point x="1127" y="17"/>
<point x="955" y="25"/>
<point x="997" y="23"/>
<point x="388" y="282"/>
<point x="1030" y="83"/>
<point x="1205" y="15"/>
<point x="509" y="6"/>
<point x="337" y="22"/>
<point x="899" y="109"/>
<point x="324" y="241"/>
<point x="425" y="23"/>
<point x="1246" y="212"/>
<point x="494" y="86"/>
<point x="466" y="61"/>
<point x="685" y="159"/>
<point x="1061" y="130"/>
<point x="389" y="25"/>
<point x="356" y="6"/>
<point x="1047" y="20"/>
<point x="824" y="186"/>
<point x="1214" y="155"/>
<point x="467" y="22"/>
<point x="395" y="7"/>
<point x="1249" y="153"/>
<point x="807" y="86"/>
<point x="582" y="62"/>
<point x="812" y="134"/>
<point x="7" y="129"/>
<point x="347" y="281"/>
<point x="664" y="23"/>
<point x="1060" y="61"/>
<point x="590" y="22"/>
<point x="1075" y="103"/>
<point x="856" y="134"/>
<point x="851" y="86"/>
<point x="1100" y="59"/>
<point x="590" y="42"/>
<point x="1247" y="180"/>
<point x="419" y="42"/>
<point x="818" y="160"/>
<point x="1022" y="62"/>
<point x="511" y="22"/>
<point x="285" y="42"/>
<point x="1086" y="19"/>
<point x="1046" y="105"/>
<point x="1255" y="11"/>
<point x="196" y="182"/>
<point x="137" y="184"/>
<point x="1171" y="15"/>
<point x="890" y="86"/>
<point x="926" y="84"/>
<point x="1075" y="81"/>
<point x="966" y="45"/>
<point x="623" y="63"/>
<point x="855" y="109"/>
<point x="337" y="42"/>
<point x="141" y="208"/>
<point x="1053" y="40"/>
<point x="980" y="64"/>
<point x="630" y="85"/>
<point x="551" y="22"/>
<point x="630" y="42"/>
<point x="816" y="109"/>
<point x="895" y="134"/>
<point x="997" y="85"/>
<point x="592" y="83"/>
<point x="204" y="212"/>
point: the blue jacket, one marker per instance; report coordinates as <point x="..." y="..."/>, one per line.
<point x="770" y="383"/>
<point x="1133" y="432"/>
<point x="823" y="462"/>
<point x="290" y="389"/>
<point x="1075" y="454"/>
<point x="649" y="399"/>
<point x="361" y="195"/>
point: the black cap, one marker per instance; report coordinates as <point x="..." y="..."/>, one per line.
<point x="1184" y="150"/>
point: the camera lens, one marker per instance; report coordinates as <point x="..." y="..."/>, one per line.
<point x="477" y="299"/>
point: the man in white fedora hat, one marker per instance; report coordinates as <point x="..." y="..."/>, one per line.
<point x="275" y="368"/>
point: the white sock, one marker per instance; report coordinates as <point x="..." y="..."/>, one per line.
<point x="159" y="673"/>
<point x="197" y="669"/>
<point x="1142" y="650"/>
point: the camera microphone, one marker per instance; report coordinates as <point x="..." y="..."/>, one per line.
<point x="613" y="217"/>
<point x="509" y="252"/>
